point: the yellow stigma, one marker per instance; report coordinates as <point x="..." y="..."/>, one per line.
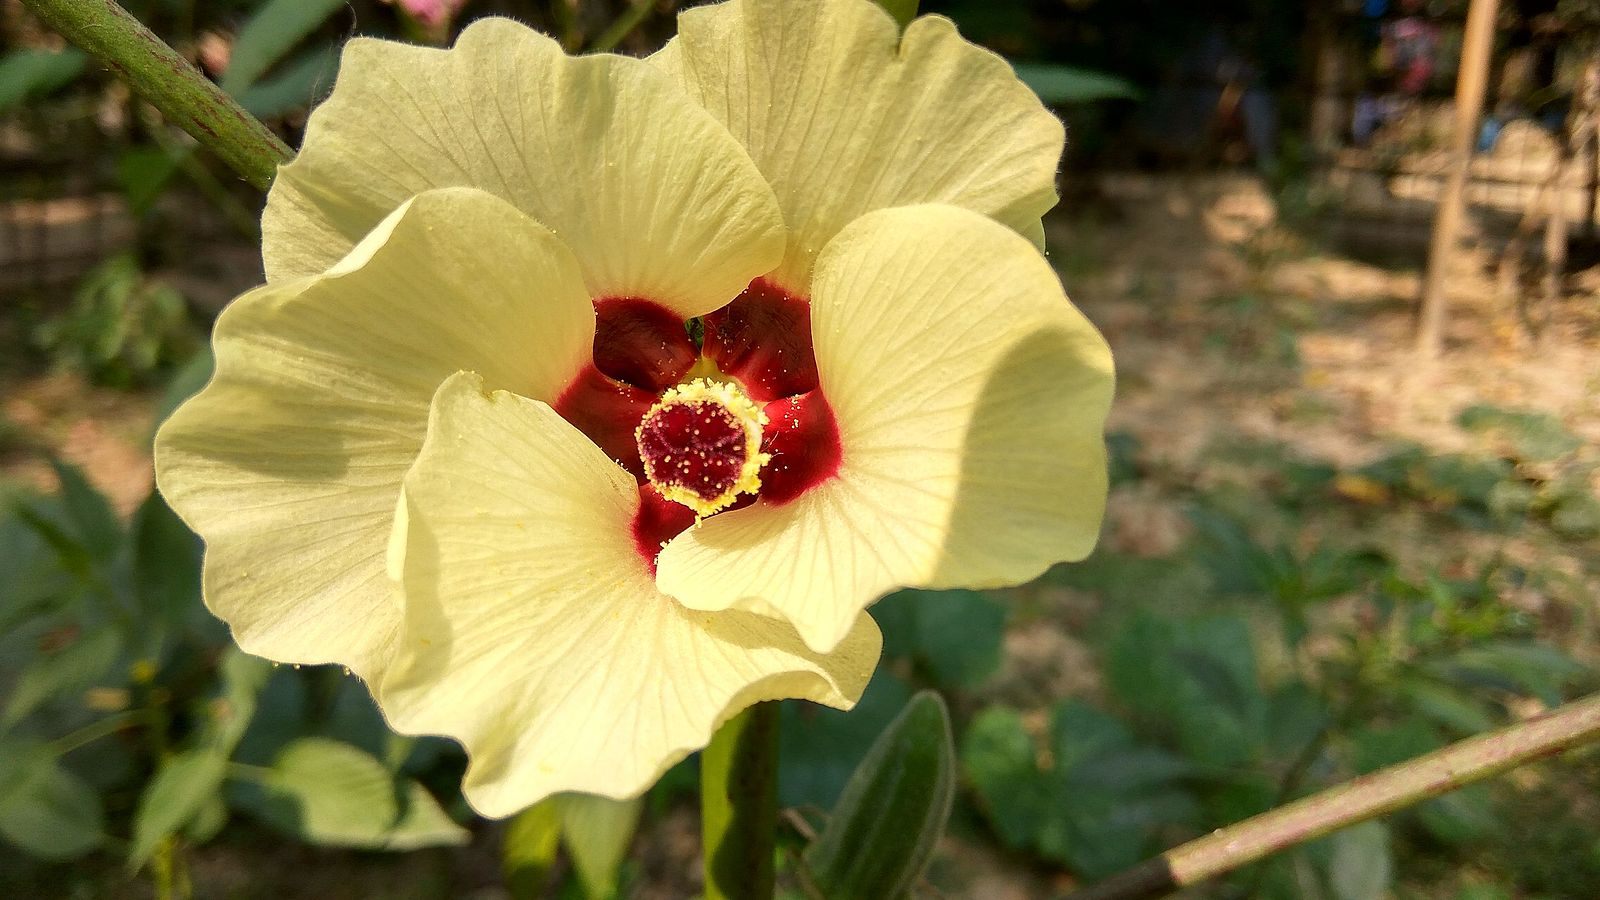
<point x="701" y="445"/>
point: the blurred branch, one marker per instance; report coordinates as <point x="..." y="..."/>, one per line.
<point x="157" y="73"/>
<point x="1385" y="791"/>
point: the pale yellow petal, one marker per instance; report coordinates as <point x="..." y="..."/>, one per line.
<point x="845" y="115"/>
<point x="970" y="397"/>
<point x="655" y="199"/>
<point x="289" y="462"/>
<point x="534" y="634"/>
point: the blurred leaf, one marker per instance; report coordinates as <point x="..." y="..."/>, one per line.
<point x="423" y="823"/>
<point x="1112" y="794"/>
<point x="1576" y="515"/>
<point x="166" y="564"/>
<point x="186" y="382"/>
<point x="902" y="10"/>
<point x="298" y="85"/>
<point x="44" y="809"/>
<point x="279" y="713"/>
<point x="208" y="820"/>
<point x="1362" y="867"/>
<point x="273" y="31"/>
<point x="528" y="850"/>
<point x="1056" y="84"/>
<point x="243" y="678"/>
<point x="29" y="73"/>
<point x="1122" y="456"/>
<point x="597" y="832"/>
<point x="32" y="580"/>
<point x="329" y="793"/>
<point x="955" y="636"/>
<point x="93" y="521"/>
<point x="332" y="794"/>
<point x="355" y="719"/>
<point x="882" y="834"/>
<point x="67" y="672"/>
<point x="1195" y="679"/>
<point x="998" y="757"/>
<point x="1445" y="704"/>
<point x="173" y="798"/>
<point x="1537" y="670"/>
<point x="1535" y="436"/>
<point x="142" y="173"/>
<point x="1100" y="802"/>
<point x="819" y="747"/>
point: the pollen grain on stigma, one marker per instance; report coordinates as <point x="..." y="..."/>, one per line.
<point x="700" y="445"/>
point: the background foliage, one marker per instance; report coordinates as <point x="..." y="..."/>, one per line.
<point x="1298" y="620"/>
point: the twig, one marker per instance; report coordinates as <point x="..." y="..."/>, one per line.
<point x="1463" y="763"/>
<point x="157" y="73"/>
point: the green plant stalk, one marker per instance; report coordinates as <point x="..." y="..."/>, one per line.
<point x="625" y="24"/>
<point x="1385" y="791"/>
<point x="739" y="805"/>
<point x="157" y="73"/>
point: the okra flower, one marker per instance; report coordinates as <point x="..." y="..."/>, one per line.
<point x="591" y="400"/>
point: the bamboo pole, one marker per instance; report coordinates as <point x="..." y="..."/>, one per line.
<point x="1471" y="82"/>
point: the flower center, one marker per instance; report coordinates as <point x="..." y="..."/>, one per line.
<point x="700" y="445"/>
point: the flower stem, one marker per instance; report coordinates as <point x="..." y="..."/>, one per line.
<point x="157" y="73"/>
<point x="1355" y="801"/>
<point x="739" y="805"/>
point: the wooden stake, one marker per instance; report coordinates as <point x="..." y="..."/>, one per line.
<point x="1470" y="84"/>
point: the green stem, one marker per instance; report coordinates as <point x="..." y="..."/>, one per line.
<point x="1356" y="801"/>
<point x="157" y="73"/>
<point x="624" y="25"/>
<point x="93" y="731"/>
<point x="739" y="805"/>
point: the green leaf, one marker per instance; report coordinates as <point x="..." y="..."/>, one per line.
<point x="1362" y="867"/>
<point x="93" y="521"/>
<point x="956" y="636"/>
<point x="528" y="851"/>
<point x="46" y="810"/>
<point x="998" y="757"/>
<point x="902" y="10"/>
<point x="597" y="832"/>
<point x="1065" y="84"/>
<point x="423" y="823"/>
<point x="27" y="74"/>
<point x="143" y="172"/>
<point x="272" y="32"/>
<point x="1535" y="436"/>
<point x="166" y="564"/>
<point x="881" y="835"/>
<point x="1095" y="802"/>
<point x="1537" y="670"/>
<point x="186" y="382"/>
<point x="296" y="86"/>
<point x="174" y="798"/>
<point x="208" y="820"/>
<point x="1195" y="679"/>
<point x="67" y="672"/>
<point x="243" y="677"/>
<point x="329" y="793"/>
<point x="818" y="748"/>
<point x="32" y="579"/>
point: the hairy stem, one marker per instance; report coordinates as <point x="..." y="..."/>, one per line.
<point x="1356" y="801"/>
<point x="157" y="73"/>
<point x="739" y="805"/>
